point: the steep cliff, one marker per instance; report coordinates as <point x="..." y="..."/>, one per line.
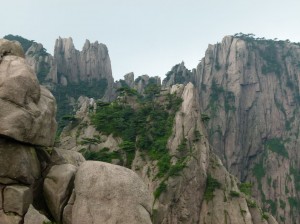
<point x="92" y="63"/>
<point x="162" y="138"/>
<point x="70" y="73"/>
<point x="249" y="87"/>
<point x="42" y="63"/>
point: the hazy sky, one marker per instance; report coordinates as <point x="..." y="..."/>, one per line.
<point x="149" y="37"/>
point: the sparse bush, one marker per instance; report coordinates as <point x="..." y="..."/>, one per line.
<point x="246" y="188"/>
<point x="234" y="194"/>
<point x="211" y="185"/>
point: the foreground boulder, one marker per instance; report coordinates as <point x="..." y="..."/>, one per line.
<point x="34" y="217"/>
<point x="10" y="48"/>
<point x="107" y="193"/>
<point x="27" y="111"/>
<point x="18" y="163"/>
<point x="58" y="187"/>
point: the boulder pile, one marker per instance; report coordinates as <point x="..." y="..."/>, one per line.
<point x="39" y="183"/>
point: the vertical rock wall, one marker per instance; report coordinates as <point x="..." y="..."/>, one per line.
<point x="250" y="89"/>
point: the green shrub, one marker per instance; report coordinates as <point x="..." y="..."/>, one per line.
<point x="245" y="188"/>
<point x="265" y="216"/>
<point x="251" y="203"/>
<point x="294" y="203"/>
<point x="234" y="194"/>
<point x="211" y="185"/>
<point x="103" y="155"/>
<point x="161" y="188"/>
<point x="147" y="127"/>
<point x="276" y="145"/>
<point x="205" y="117"/>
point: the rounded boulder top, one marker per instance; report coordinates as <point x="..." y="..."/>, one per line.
<point x="8" y="47"/>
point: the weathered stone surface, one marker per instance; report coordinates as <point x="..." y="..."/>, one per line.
<point x="67" y="214"/>
<point x="27" y="111"/>
<point x="179" y="74"/>
<point x="107" y="193"/>
<point x="42" y="63"/>
<point x="92" y="63"/>
<point x="181" y="201"/>
<point x="17" y="199"/>
<point x="34" y="217"/>
<point x="58" y="186"/>
<point x="272" y="220"/>
<point x="9" y="218"/>
<point x="250" y="90"/>
<point x="10" y="48"/>
<point x="18" y="163"/>
<point x="256" y="216"/>
<point x="62" y="156"/>
<point x="129" y="79"/>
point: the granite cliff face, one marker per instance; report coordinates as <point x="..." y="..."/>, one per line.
<point x="42" y="63"/>
<point x="179" y="74"/>
<point x="140" y="83"/>
<point x="188" y="182"/>
<point x="250" y="89"/>
<point x="70" y="73"/>
<point x="92" y="63"/>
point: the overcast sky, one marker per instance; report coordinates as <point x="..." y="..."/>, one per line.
<point x="149" y="36"/>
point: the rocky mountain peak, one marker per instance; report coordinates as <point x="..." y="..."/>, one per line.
<point x="179" y="74"/>
<point x="92" y="63"/>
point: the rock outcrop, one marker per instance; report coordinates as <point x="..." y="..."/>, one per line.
<point x="43" y="64"/>
<point x="139" y="84"/>
<point x="250" y="89"/>
<point x="27" y="121"/>
<point x="92" y="63"/>
<point x="179" y="74"/>
<point x="118" y="195"/>
<point x="9" y="48"/>
<point x="25" y="107"/>
<point x="195" y="189"/>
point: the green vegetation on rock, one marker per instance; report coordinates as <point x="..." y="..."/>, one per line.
<point x="276" y="145"/>
<point x="26" y="44"/>
<point x="246" y="188"/>
<point x="147" y="127"/>
<point x="211" y="185"/>
<point x="103" y="155"/>
<point x="94" y="89"/>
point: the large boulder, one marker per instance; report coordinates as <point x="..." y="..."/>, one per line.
<point x="17" y="199"/>
<point x="27" y="111"/>
<point x="9" y="218"/>
<point x="35" y="217"/>
<point x="58" y="186"/>
<point x="62" y="156"/>
<point x="18" y="163"/>
<point x="10" y="48"/>
<point x="106" y="193"/>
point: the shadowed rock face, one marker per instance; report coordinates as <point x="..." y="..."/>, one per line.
<point x="250" y="90"/>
